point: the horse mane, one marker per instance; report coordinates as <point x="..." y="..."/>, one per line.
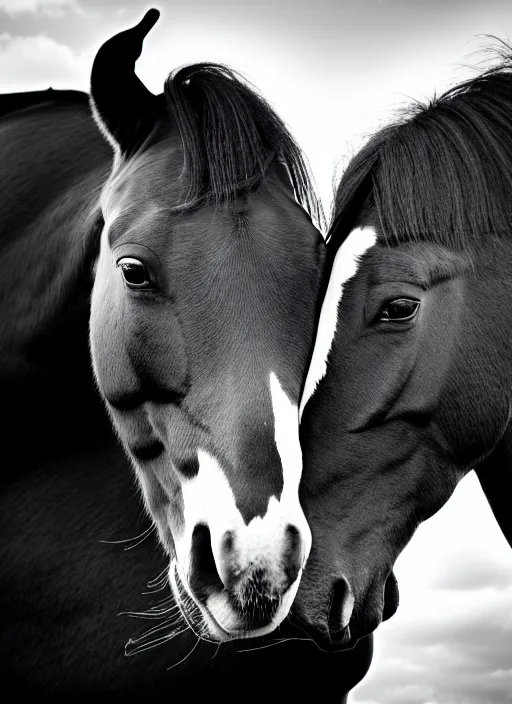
<point x="230" y="136"/>
<point x="14" y="102"/>
<point x="442" y="172"/>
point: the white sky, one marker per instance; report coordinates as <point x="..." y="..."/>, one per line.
<point x="334" y="70"/>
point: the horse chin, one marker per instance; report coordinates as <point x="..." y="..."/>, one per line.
<point x="223" y="617"/>
<point x="217" y="620"/>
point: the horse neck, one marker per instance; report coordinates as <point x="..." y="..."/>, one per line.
<point x="49" y="238"/>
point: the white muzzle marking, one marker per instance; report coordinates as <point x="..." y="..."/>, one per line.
<point x="209" y="499"/>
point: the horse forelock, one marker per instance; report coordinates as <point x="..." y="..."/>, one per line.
<point x="442" y="173"/>
<point x="231" y="136"/>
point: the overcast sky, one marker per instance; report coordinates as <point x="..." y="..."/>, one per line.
<point x="334" y="70"/>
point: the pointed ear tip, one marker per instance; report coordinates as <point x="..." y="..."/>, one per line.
<point x="149" y="19"/>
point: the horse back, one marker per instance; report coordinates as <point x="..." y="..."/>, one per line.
<point x="48" y="148"/>
<point x="54" y="162"/>
<point x="15" y="102"/>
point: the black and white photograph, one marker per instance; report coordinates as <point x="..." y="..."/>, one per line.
<point x="256" y="351"/>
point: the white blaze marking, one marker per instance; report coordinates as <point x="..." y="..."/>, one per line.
<point x="286" y="429"/>
<point x="344" y="268"/>
<point x="209" y="499"/>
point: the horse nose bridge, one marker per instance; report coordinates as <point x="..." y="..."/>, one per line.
<point x="255" y="471"/>
<point x="263" y="456"/>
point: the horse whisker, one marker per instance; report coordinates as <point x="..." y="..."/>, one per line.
<point x="156" y="629"/>
<point x="150" y="613"/>
<point x="216" y="650"/>
<point x="158" y="578"/>
<point x="152" y="644"/>
<point x="142" y="536"/>
<point x="270" y="645"/>
<point x="155" y="589"/>
<point x="186" y="656"/>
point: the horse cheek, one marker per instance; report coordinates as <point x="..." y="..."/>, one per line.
<point x="114" y="374"/>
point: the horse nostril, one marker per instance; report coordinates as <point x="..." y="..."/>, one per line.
<point x="293" y="535"/>
<point x="292" y="553"/>
<point x="342" y="604"/>
<point x="203" y="573"/>
<point x="391" y="597"/>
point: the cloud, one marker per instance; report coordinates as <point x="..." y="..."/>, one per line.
<point x="445" y="647"/>
<point x="451" y="640"/>
<point x="47" y="7"/>
<point x="38" y="62"/>
<point x="466" y="664"/>
<point x="469" y="572"/>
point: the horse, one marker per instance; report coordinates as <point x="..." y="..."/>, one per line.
<point x="161" y="278"/>
<point x="409" y="384"/>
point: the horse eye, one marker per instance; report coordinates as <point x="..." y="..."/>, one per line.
<point x="134" y="273"/>
<point x="400" y="310"/>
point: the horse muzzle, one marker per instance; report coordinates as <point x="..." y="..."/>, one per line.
<point x="240" y="595"/>
<point x="341" y="620"/>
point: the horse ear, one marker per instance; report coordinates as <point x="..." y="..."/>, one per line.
<point x="126" y="111"/>
<point x="495" y="477"/>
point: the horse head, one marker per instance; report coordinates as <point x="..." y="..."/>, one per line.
<point x="409" y="385"/>
<point x="203" y="314"/>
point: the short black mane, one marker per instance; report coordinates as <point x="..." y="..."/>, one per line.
<point x="230" y="136"/>
<point x="443" y="172"/>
